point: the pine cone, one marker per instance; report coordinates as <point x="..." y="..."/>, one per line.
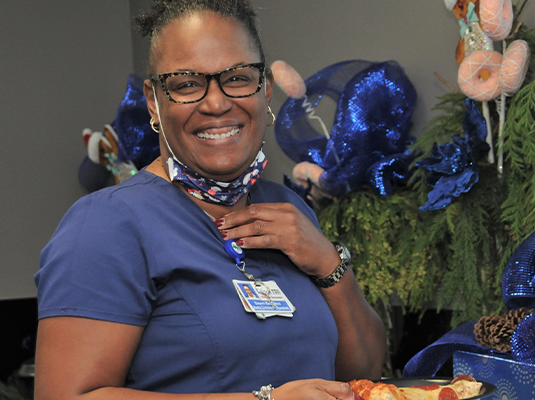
<point x="482" y="330"/>
<point x="494" y="332"/>
<point x="516" y="315"/>
<point x="500" y="335"/>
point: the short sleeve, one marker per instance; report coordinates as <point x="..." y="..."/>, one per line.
<point x="271" y="192"/>
<point x="95" y="265"/>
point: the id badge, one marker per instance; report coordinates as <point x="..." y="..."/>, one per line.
<point x="265" y="299"/>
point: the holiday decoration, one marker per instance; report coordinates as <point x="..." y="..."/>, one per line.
<point x="495" y="332"/>
<point x="103" y="149"/>
<point x="472" y="36"/>
<point x="512" y="379"/>
<point x="367" y="144"/>
<point x="513" y="332"/>
<point x="453" y="166"/>
<point x="523" y="342"/>
<point x="124" y="146"/>
<point x="518" y="283"/>
<point x="455" y="253"/>
<point x="485" y="74"/>
<point x="496" y="18"/>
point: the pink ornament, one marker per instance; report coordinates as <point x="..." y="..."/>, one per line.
<point x="496" y="18"/>
<point x="479" y="73"/>
<point x="514" y="67"/>
<point x="288" y="79"/>
<point x="305" y="171"/>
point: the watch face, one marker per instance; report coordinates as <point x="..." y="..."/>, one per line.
<point x="345" y="255"/>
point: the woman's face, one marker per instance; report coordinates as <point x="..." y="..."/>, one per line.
<point x="206" y="42"/>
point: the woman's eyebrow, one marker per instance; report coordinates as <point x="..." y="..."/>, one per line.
<point x="194" y="70"/>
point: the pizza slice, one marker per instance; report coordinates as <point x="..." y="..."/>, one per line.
<point x="461" y="387"/>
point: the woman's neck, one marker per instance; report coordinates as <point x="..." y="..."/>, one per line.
<point x="215" y="211"/>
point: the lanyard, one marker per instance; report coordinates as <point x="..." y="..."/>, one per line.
<point x="236" y="253"/>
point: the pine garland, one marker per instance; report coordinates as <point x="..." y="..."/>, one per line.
<point x="454" y="256"/>
<point x="384" y="265"/>
<point x="519" y="148"/>
<point x="473" y="258"/>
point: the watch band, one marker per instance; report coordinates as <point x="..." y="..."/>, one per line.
<point x="345" y="262"/>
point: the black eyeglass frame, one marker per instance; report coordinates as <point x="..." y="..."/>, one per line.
<point x="217" y="76"/>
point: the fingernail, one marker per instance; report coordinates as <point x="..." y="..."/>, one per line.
<point x="224" y="233"/>
<point x="219" y="222"/>
<point x="240" y="242"/>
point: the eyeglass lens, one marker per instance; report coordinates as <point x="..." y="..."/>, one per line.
<point x="238" y="82"/>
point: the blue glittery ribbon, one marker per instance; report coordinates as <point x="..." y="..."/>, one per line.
<point x="137" y="141"/>
<point x="428" y="361"/>
<point x="452" y="167"/>
<point x="518" y="291"/>
<point x="367" y="144"/>
<point x="517" y="281"/>
<point x="523" y="342"/>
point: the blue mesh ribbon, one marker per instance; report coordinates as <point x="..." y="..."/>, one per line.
<point x="518" y="285"/>
<point x="370" y="133"/>
<point x="428" y="361"/>
<point x="137" y="141"/>
<point x="523" y="342"/>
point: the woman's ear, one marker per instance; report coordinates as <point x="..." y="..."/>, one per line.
<point x="269" y="85"/>
<point x="151" y="101"/>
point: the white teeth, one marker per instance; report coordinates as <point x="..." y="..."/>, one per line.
<point x="204" y="135"/>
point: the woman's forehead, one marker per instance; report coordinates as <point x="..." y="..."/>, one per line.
<point x="204" y="40"/>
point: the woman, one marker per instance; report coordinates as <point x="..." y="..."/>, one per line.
<point x="137" y="295"/>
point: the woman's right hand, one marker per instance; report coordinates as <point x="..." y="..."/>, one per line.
<point x="313" y="389"/>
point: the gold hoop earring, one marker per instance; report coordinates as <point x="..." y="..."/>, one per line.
<point x="272" y="117"/>
<point x="155" y="127"/>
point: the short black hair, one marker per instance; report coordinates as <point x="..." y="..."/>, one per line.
<point x="162" y="12"/>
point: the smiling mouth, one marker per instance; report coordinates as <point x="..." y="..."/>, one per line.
<point x="212" y="136"/>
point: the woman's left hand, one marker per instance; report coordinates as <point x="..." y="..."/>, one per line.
<point x="282" y="226"/>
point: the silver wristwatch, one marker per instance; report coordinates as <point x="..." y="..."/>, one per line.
<point x="345" y="262"/>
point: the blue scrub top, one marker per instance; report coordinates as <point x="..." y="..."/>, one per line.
<point x="143" y="253"/>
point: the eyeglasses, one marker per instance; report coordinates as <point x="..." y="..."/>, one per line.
<point x="190" y="87"/>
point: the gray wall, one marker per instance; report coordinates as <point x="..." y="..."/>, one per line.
<point x="64" y="64"/>
<point x="63" y="68"/>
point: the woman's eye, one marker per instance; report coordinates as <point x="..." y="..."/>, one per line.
<point x="240" y="78"/>
<point x="184" y="86"/>
<point x="237" y="80"/>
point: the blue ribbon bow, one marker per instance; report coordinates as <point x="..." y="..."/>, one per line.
<point x="452" y="167"/>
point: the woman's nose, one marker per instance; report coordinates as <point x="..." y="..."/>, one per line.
<point x="215" y="102"/>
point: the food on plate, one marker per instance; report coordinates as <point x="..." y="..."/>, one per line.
<point x="461" y="387"/>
